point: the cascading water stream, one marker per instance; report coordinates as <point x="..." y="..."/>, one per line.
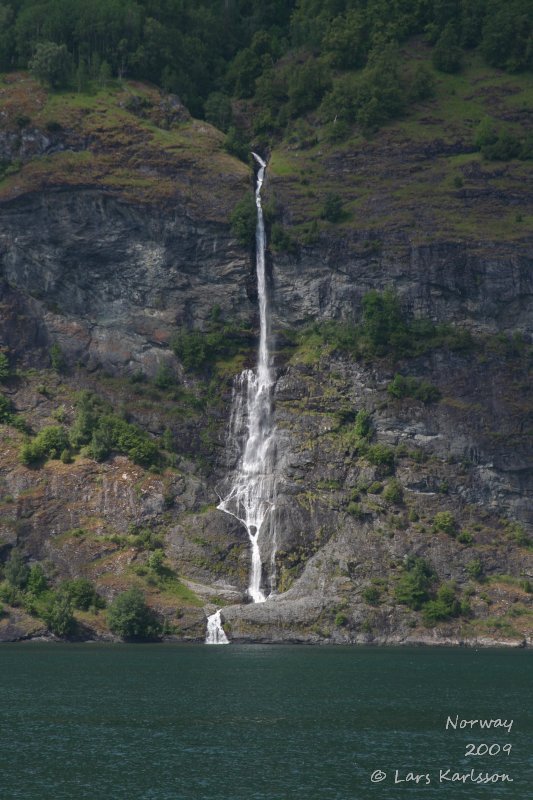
<point x="215" y="631"/>
<point x="251" y="494"/>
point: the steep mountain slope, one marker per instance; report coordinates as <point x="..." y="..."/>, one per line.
<point x="404" y="502"/>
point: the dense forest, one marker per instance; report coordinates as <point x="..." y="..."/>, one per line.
<point x="342" y="58"/>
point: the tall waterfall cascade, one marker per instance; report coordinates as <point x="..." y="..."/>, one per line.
<point x="250" y="497"/>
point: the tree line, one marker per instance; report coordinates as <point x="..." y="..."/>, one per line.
<point x="285" y="53"/>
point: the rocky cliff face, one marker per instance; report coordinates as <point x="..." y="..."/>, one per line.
<point x="109" y="281"/>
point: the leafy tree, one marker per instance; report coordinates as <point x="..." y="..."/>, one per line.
<point x="82" y="594"/>
<point x="51" y="64"/>
<point x="218" y="111"/>
<point x="59" y="616"/>
<point x="506" y="39"/>
<point x="346" y="41"/>
<point x="37" y="581"/>
<point x="413" y="587"/>
<point x="88" y="410"/>
<point x="447" y="54"/>
<point x="16" y="571"/>
<point x="131" y="618"/>
<point x="307" y="84"/>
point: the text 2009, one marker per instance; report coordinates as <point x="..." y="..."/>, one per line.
<point x="487" y="749"/>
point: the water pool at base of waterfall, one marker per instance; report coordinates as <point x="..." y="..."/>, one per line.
<point x="258" y="722"/>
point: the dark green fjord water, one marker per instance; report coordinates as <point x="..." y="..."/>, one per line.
<point x="112" y="722"/>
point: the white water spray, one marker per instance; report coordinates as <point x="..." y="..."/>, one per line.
<point x="252" y="490"/>
<point x="215" y="631"/>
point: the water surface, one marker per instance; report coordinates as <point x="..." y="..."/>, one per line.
<point x="165" y="722"/>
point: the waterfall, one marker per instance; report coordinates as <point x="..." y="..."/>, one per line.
<point x="252" y="486"/>
<point x="215" y="631"/>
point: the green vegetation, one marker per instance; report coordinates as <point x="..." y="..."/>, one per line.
<point x="388" y="331"/>
<point x="243" y="220"/>
<point x="475" y="569"/>
<point x="6" y="410"/>
<point x="29" y="588"/>
<point x="414" y="585"/>
<point x="393" y="492"/>
<point x="372" y="594"/>
<point x="445" y="521"/>
<point x="444" y="606"/>
<point x="406" y="386"/>
<point x="332" y="210"/>
<point x="50" y="442"/>
<point x="130" y="618"/>
<point x="381" y="456"/>
<point x="16" y="571"/>
<point x="81" y="594"/>
<point x="199" y="351"/>
<point x="4" y="366"/>
<point x="101" y="431"/>
<point x="59" y="616"/>
<point x="343" y="56"/>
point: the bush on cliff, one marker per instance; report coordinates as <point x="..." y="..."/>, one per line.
<point x="49" y="443"/>
<point x="131" y="618"/>
<point x="413" y="587"/>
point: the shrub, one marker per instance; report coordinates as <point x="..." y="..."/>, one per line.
<point x="381" y="455"/>
<point x="243" y="220"/>
<point x="444" y="606"/>
<point x="88" y="410"/>
<point x="413" y="587"/>
<point x="341" y="620"/>
<point x="156" y="562"/>
<point x="332" y="210"/>
<point x="197" y="350"/>
<point x="57" y="359"/>
<point x="131" y="618"/>
<point x="37" y="581"/>
<point x="59" y="616"/>
<point x="82" y="594"/>
<point x="354" y="509"/>
<point x="49" y="443"/>
<point x="393" y="492"/>
<point x="465" y="537"/>
<point x="66" y="456"/>
<point x="16" y="571"/>
<point x="363" y="424"/>
<point x="444" y="521"/>
<point x="4" y="367"/>
<point x="408" y="386"/>
<point x="281" y="241"/>
<point x="114" y="433"/>
<point x="372" y="595"/>
<point x="475" y="569"/>
<point x="6" y="410"/>
<point x="165" y="378"/>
